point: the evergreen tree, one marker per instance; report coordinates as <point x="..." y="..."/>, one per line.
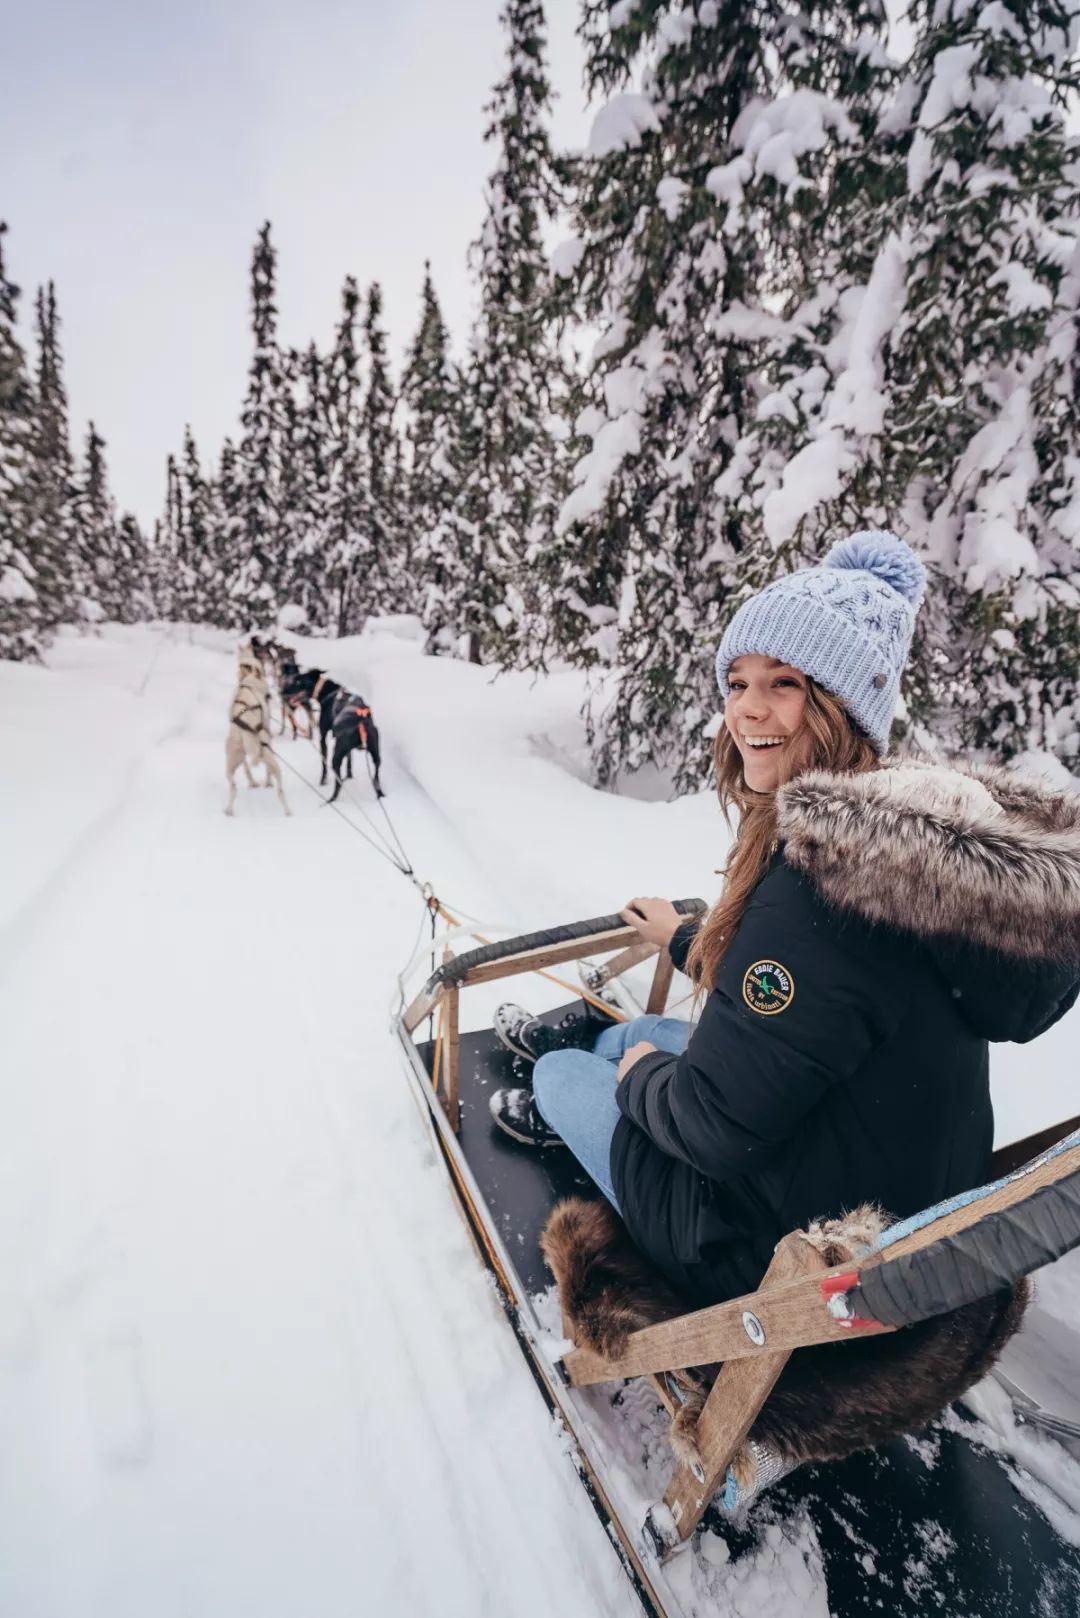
<point x="348" y="555"/>
<point x="696" y="205"/>
<point x="227" y="519"/>
<point x="308" y="587"/>
<point x="259" y="564"/>
<point x="295" y="495"/>
<point x="385" y="586"/>
<point x="206" y="575"/>
<point x="22" y="620"/>
<point x="175" y="583"/>
<point x="54" y="472"/>
<point x="95" y="523"/>
<point x="507" y="456"/>
<point x="950" y="410"/>
<point x="131" y="600"/>
<point x="983" y="386"/>
<point x="430" y="394"/>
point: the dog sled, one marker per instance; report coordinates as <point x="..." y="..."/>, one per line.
<point x="934" y="1521"/>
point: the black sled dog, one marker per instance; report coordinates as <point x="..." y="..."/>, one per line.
<point x="345" y="714"/>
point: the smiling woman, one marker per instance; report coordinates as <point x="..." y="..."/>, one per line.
<point x="765" y="717"/>
<point x="848" y="986"/>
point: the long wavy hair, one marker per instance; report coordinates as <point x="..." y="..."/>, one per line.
<point x="837" y="745"/>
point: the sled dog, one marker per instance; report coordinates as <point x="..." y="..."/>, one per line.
<point x="248" y="739"/>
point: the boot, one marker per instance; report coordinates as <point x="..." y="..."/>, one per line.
<point x="530" y="1038"/>
<point x="517" y="1115"/>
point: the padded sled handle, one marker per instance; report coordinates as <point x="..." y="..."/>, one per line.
<point x="454" y="971"/>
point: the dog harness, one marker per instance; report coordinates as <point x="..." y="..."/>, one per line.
<point x="361" y="715"/>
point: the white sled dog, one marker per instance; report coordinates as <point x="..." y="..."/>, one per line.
<point x="248" y="739"/>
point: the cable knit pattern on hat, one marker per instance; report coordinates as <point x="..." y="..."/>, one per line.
<point x="847" y="624"/>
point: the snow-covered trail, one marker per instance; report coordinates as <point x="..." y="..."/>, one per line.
<point x="248" y="1361"/>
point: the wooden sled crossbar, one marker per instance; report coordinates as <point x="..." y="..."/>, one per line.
<point x="967" y="1248"/>
<point x="813" y="1307"/>
<point x="532" y="952"/>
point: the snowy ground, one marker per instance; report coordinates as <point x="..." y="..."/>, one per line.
<point x="248" y="1362"/>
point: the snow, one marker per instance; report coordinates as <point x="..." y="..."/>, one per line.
<point x="248" y="1359"/>
<point x="775" y="135"/>
<point x="856" y="405"/>
<point x="1023" y="293"/>
<point x="14" y="586"/>
<point x="951" y="84"/>
<point x="567" y="256"/>
<point x="621" y="123"/>
<point x="615" y="429"/>
<point x="671" y="192"/>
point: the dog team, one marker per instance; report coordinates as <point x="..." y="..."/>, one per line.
<point x="341" y="712"/>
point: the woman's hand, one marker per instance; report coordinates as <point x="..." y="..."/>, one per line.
<point x="655" y="919"/>
<point x="632" y="1054"/>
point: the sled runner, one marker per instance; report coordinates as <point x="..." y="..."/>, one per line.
<point x="934" y="1523"/>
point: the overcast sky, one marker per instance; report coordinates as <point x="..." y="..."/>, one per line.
<point x="145" y="143"/>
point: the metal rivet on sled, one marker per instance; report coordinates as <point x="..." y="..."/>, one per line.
<point x="753" y="1328"/>
<point x="880" y="681"/>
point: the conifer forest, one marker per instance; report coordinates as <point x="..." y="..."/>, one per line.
<point x="792" y="287"/>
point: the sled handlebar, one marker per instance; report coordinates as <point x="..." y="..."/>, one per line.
<point x="455" y="971"/>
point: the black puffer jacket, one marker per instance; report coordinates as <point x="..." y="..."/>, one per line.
<point x="907" y="917"/>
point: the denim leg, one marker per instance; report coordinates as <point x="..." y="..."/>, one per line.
<point x="669" y="1034"/>
<point x="575" y="1092"/>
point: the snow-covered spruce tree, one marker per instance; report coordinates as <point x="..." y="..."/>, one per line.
<point x="227" y="519"/>
<point x="808" y="469"/>
<point x="347" y="553"/>
<point x="258" y="567"/>
<point x="94" y="518"/>
<point x="983" y="399"/>
<point x="131" y="574"/>
<point x="21" y="618"/>
<point x="205" y="576"/>
<point x="308" y="587"/>
<point x="385" y="585"/>
<point x="294" y="495"/>
<point x="429" y="399"/>
<point x="510" y="459"/>
<point x="951" y="410"/>
<point x="53" y="472"/>
<point x="689" y="227"/>
<point x="174" y="587"/>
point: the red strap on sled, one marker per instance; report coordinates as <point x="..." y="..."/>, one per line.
<point x="833" y="1286"/>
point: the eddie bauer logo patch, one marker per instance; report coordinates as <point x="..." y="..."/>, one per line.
<point x="768" y="988"/>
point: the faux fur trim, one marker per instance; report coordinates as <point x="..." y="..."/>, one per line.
<point x="832" y="1399"/>
<point x="972" y="853"/>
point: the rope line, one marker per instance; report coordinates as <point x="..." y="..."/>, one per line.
<point x="399" y="859"/>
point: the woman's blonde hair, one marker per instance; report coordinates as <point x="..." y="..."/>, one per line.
<point x="837" y="745"/>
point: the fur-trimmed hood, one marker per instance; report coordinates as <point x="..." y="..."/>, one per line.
<point x="983" y="866"/>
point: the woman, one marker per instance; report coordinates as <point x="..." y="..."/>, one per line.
<point x="878" y="926"/>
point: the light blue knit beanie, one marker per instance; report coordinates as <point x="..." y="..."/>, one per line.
<point x="847" y="624"/>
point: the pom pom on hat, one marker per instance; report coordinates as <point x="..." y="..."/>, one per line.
<point x="878" y="552"/>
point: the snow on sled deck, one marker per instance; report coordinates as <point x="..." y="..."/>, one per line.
<point x="929" y="1524"/>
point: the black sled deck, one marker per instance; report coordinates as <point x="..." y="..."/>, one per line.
<point x="939" y="1523"/>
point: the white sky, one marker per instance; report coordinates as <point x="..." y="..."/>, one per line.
<point x="150" y="142"/>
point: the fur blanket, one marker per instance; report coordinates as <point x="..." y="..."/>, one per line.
<point x="831" y="1399"/>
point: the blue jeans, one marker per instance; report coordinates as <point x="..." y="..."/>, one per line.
<point x="575" y="1090"/>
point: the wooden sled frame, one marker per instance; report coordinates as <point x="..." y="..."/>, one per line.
<point x="801" y="1301"/>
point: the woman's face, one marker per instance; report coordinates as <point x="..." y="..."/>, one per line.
<point x="765" y="714"/>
